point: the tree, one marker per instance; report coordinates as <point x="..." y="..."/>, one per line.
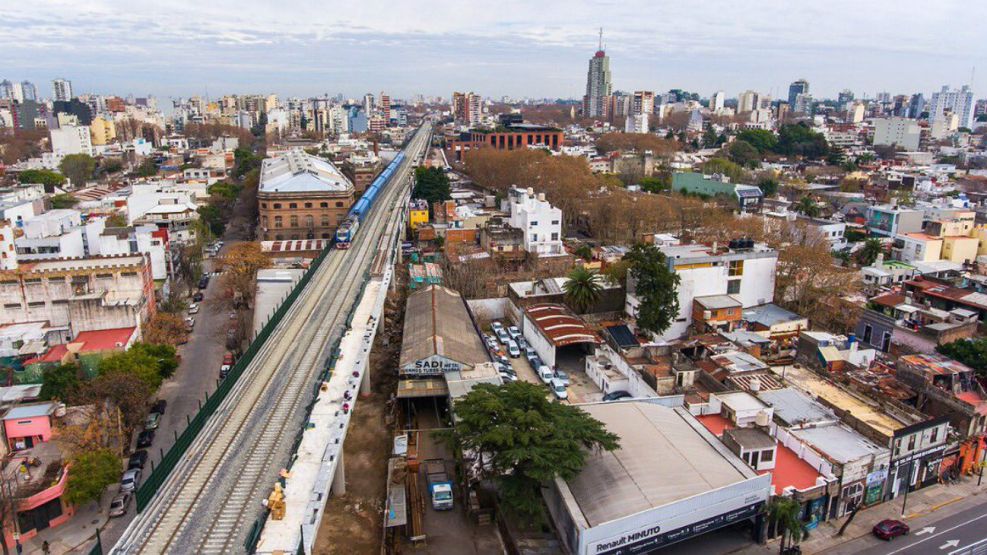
<point x="868" y="254"/>
<point x="116" y="219"/>
<point x="89" y="475"/>
<point x="431" y="184"/>
<point x="61" y="382"/>
<point x="637" y="142"/>
<point x="743" y="154"/>
<point x="165" y="355"/>
<point x="807" y="206"/>
<point x="125" y="391"/>
<point x="47" y="178"/>
<point x="166" y="329"/>
<point x="524" y="440"/>
<point x="240" y="265"/>
<point x="244" y="161"/>
<point x="783" y="513"/>
<point x="886" y="152"/>
<point x="137" y="363"/>
<point x="582" y="289"/>
<point x="78" y="167"/>
<point x="768" y="186"/>
<point x="735" y="172"/>
<point x="147" y="168"/>
<point x="656" y="184"/>
<point x="63" y="200"/>
<point x="761" y="139"/>
<point x="800" y="140"/>
<point x="616" y="272"/>
<point x="655" y="286"/>
<point x="971" y="352"/>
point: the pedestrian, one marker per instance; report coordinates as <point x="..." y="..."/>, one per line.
<point x="45" y="548"/>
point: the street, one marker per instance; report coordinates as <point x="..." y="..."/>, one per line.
<point x="951" y="534"/>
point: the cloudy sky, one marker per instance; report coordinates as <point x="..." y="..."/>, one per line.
<point x="500" y="47"/>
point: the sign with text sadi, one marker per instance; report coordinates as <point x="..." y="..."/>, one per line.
<point x="434" y="365"/>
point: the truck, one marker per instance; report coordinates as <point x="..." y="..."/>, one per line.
<point x="439" y="484"/>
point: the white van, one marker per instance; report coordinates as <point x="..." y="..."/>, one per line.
<point x="558" y="388"/>
<point x="512" y="349"/>
<point x="546" y="374"/>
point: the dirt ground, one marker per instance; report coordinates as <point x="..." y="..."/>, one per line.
<point x="352" y="522"/>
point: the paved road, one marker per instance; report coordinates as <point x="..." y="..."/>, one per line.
<point x="948" y="535"/>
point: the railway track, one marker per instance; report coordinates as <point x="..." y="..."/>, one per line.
<point x="213" y="495"/>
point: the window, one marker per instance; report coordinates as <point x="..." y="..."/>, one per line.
<point x="277" y="205"/>
<point x="293" y="205"/>
<point x="555" y="222"/>
<point x="767" y="456"/>
<point x="323" y="205"/>
<point x="339" y="204"/>
<point x="308" y="205"/>
<point x="532" y="224"/>
<point x="736" y="268"/>
<point x="868" y="332"/>
<point x="911" y="442"/>
<point x="277" y="221"/>
<point x="325" y="221"/>
<point x="263" y="221"/>
<point x="263" y="205"/>
<point x="309" y="221"/>
<point x="555" y="236"/>
<point x="733" y="287"/>
<point x="935" y="435"/>
<point x="294" y="221"/>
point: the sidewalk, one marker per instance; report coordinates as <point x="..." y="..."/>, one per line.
<point x="924" y="506"/>
<point x="76" y="536"/>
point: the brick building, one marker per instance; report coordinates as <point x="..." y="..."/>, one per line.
<point x="510" y="137"/>
<point x="302" y="197"/>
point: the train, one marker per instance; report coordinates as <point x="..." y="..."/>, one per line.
<point x="346" y="231"/>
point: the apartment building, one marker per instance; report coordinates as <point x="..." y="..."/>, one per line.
<point x="537" y="218"/>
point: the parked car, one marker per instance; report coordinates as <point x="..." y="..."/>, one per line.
<point x="503" y="337"/>
<point x="558" y="389"/>
<point x="152" y="421"/>
<point x="145" y="439"/>
<point x="512" y="349"/>
<point x="130" y="480"/>
<point x="496" y="326"/>
<point x="535" y="362"/>
<point x="118" y="507"/>
<point x="198" y="296"/>
<point x="204" y="282"/>
<point x="228" y="358"/>
<point x="507" y="378"/>
<point x="224" y="371"/>
<point x="890" y="529"/>
<point x="159" y="406"/>
<point x="529" y="352"/>
<point x="503" y="360"/>
<point x="546" y="374"/>
<point x="562" y="377"/>
<point x="513" y="332"/>
<point x="616" y="395"/>
<point x="522" y="343"/>
<point x="193" y="308"/>
<point x="137" y="460"/>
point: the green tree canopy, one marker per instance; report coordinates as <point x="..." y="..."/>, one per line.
<point x="807" y="206"/>
<point x="743" y="154"/>
<point x="224" y="190"/>
<point x="166" y="356"/>
<point x="147" y="168"/>
<point x="61" y="382"/>
<point x="736" y="173"/>
<point x="971" y="352"/>
<point x="431" y="184"/>
<point x="656" y="184"/>
<point x="116" y="220"/>
<point x="89" y="475"/>
<point x="868" y="254"/>
<point x="761" y="139"/>
<point x="768" y="186"/>
<point x="243" y="161"/>
<point x="582" y="289"/>
<point x="78" y="167"/>
<point x="63" y="200"/>
<point x="525" y="440"/>
<point x="149" y="363"/>
<point x="47" y="178"/>
<point x="800" y="140"/>
<point x="656" y="287"/>
<point x="784" y="513"/>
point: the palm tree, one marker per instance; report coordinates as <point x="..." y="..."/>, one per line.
<point x="784" y="513"/>
<point x="868" y="254"/>
<point x="582" y="290"/>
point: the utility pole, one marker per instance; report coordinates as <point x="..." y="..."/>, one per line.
<point x="908" y="483"/>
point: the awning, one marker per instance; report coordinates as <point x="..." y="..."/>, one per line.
<point x="432" y="387"/>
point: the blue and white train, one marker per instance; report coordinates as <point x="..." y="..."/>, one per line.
<point x="347" y="230"/>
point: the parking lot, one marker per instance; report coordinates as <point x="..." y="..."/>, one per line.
<point x="580" y="388"/>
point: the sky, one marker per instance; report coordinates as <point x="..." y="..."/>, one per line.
<point x="495" y="48"/>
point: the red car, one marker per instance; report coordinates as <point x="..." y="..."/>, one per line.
<point x="228" y="359"/>
<point x="890" y="529"/>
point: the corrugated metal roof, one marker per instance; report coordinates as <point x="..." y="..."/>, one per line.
<point x="560" y="326"/>
<point x="436" y="322"/>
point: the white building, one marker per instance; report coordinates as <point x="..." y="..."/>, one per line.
<point x="959" y="102"/>
<point x="57" y="233"/>
<point x="61" y="89"/>
<point x="71" y="139"/>
<point x="746" y="273"/>
<point x="717" y="101"/>
<point x="143" y="239"/>
<point x="540" y="221"/>
<point x="636" y="123"/>
<point x="747" y="101"/>
<point x="901" y="132"/>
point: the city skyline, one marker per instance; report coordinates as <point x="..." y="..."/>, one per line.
<point x="537" y="51"/>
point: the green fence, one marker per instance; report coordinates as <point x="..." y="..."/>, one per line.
<point x="167" y="463"/>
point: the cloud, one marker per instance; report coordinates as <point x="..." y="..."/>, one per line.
<point x="508" y="47"/>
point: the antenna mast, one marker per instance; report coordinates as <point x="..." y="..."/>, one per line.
<point x="601" y="39"/>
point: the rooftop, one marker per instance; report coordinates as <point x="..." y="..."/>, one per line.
<point x="299" y="172"/>
<point x="716" y="302"/>
<point x="839" y="442"/>
<point x="791" y="471"/>
<point x="559" y="325"/>
<point x="30" y="411"/>
<point x="769" y="315"/>
<point x="936" y="364"/>
<point x="438" y="323"/>
<point x="616" y="484"/>
<point x="794" y="407"/>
